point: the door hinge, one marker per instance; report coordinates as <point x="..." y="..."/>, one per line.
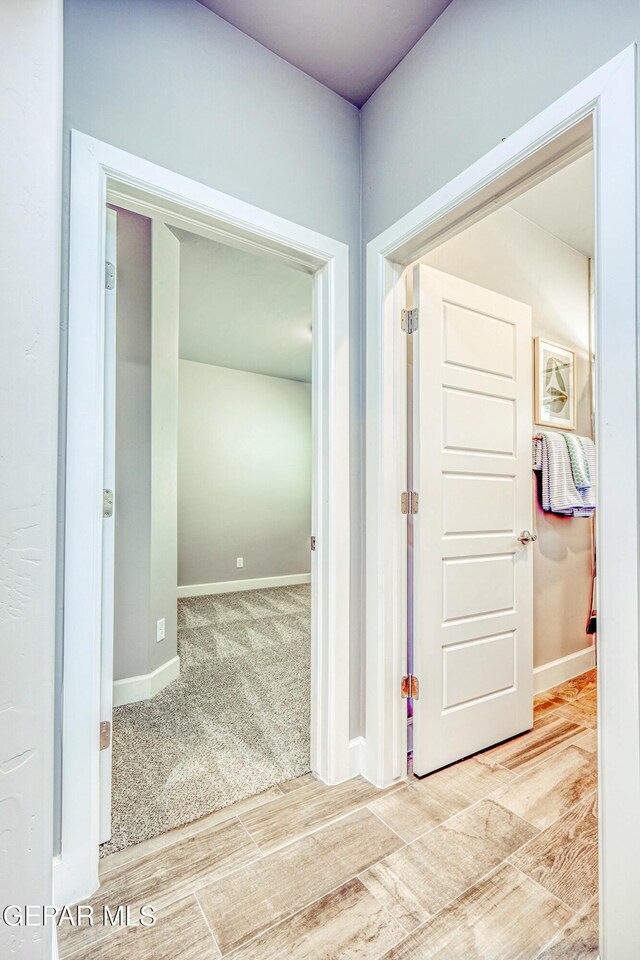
<point x="105" y="734"/>
<point x="409" y="502"/>
<point x="107" y="503"/>
<point x="313" y="543"/>
<point x="409" y="320"/>
<point x="410" y="687"/>
<point x="109" y="275"/>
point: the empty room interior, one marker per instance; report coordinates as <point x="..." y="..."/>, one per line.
<point x="318" y="530"/>
<point x="212" y="573"/>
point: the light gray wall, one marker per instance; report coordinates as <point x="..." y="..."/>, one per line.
<point x="481" y="72"/>
<point x="244" y="475"/>
<point x="507" y="253"/>
<point x="147" y="296"/>
<point x="30" y="197"/>
<point x="173" y="83"/>
<point x="165" y="326"/>
<point x="133" y="446"/>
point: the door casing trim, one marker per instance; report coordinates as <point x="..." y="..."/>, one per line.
<point x="101" y="172"/>
<point x="605" y="104"/>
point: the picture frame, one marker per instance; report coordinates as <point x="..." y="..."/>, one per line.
<point x="555" y="385"/>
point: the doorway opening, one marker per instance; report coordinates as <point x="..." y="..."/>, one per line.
<point x="210" y="551"/>
<point x="601" y="110"/>
<point x="103" y="175"/>
<point x="501" y="552"/>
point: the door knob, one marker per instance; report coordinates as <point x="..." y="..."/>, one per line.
<point x="526" y="537"/>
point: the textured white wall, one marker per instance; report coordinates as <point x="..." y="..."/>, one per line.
<point x="509" y="254"/>
<point x="175" y="84"/>
<point x="244" y="475"/>
<point x="31" y="134"/>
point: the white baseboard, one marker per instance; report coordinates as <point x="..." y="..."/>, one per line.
<point x="132" y="689"/>
<point x="558" y="671"/>
<point x="236" y="586"/>
<point x="356" y="756"/>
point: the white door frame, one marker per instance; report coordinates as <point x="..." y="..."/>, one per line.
<point x="608" y="99"/>
<point x="99" y="170"/>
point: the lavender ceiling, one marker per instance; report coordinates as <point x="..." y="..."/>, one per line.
<point x="350" y="46"/>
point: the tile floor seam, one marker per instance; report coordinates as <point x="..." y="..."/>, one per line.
<point x="458" y="813"/>
<point x="110" y="933"/>
<point x="584" y="737"/>
<point x="230" y="873"/>
<point x="558" y="936"/>
<point x="398" y="944"/>
<point x="107" y="936"/>
<point x="554" y="823"/>
<point x="585" y="693"/>
<point x="554" y="938"/>
<point x="265" y="856"/>
<point x="445" y="906"/>
<point x="355" y="876"/>
<point x="192" y="891"/>
<point x="386" y="910"/>
<point x="504" y="861"/>
<point x="565" y="701"/>
<point x="244" y="827"/>
<point x="308" y="833"/>
<point x="204" y="917"/>
<point x="539" y="762"/>
<point x="375" y="896"/>
<point x="475" y="883"/>
<point x="294" y="913"/>
<point x="172" y="843"/>
<point x="411" y="842"/>
<point x="405" y="843"/>
<point x="542" y="887"/>
<point x="541" y="830"/>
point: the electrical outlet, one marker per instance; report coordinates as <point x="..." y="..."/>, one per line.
<point x="160" y="630"/>
<point x="239" y="562"/>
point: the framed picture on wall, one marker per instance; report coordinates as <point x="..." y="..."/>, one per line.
<point x="555" y="385"/>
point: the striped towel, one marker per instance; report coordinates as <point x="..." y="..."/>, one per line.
<point x="559" y="491"/>
<point x="578" y="460"/>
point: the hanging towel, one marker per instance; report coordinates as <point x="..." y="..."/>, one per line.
<point x="559" y="491"/>
<point x="578" y="460"/>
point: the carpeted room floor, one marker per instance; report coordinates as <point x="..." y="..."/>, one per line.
<point x="235" y="722"/>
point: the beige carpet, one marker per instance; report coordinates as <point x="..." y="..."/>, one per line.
<point x="235" y="722"/>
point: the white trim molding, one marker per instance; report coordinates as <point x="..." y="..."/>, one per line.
<point x="237" y="586"/>
<point x="357" y="748"/>
<point x="601" y="109"/>
<point x="549" y="675"/>
<point x="147" y="685"/>
<point x="101" y="172"/>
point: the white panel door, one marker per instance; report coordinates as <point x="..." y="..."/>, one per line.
<point x="472" y="577"/>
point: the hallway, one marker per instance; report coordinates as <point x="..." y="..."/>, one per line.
<point x="494" y="858"/>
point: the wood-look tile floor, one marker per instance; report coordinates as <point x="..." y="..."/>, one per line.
<point x="494" y="858"/>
